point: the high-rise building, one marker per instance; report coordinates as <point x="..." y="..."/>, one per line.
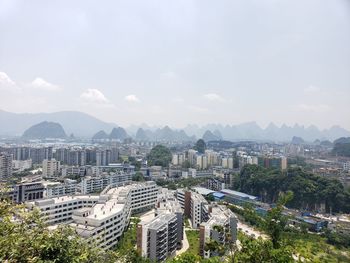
<point x="5" y="166"/>
<point x="157" y="239"/>
<point x="51" y="168"/>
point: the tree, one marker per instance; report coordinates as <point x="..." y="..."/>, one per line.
<point x="262" y="251"/>
<point x="200" y="146"/>
<point x="159" y="155"/>
<point x="138" y="177"/>
<point x="276" y="221"/>
<point x="24" y="237"/>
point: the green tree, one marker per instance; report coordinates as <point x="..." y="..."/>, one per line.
<point x="262" y="251"/>
<point x="276" y="221"/>
<point x="138" y="177"/>
<point x="200" y="146"/>
<point x="159" y="155"/>
<point x="24" y="237"/>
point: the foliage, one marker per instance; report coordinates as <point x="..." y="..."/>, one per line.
<point x="210" y="198"/>
<point x="133" y="161"/>
<point x="260" y="251"/>
<point x="193" y="240"/>
<point x="314" y="248"/>
<point x="159" y="155"/>
<point x="276" y="221"/>
<point x="128" y="240"/>
<point x="138" y="177"/>
<point x="185" y="258"/>
<point x="24" y="237"/>
<point x="309" y="189"/>
<point x="200" y="146"/>
<point x="342" y="149"/>
<point x="181" y="183"/>
<point x="248" y="214"/>
<point x="337" y="239"/>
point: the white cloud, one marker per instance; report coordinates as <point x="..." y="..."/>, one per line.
<point x="132" y="98"/>
<point x="319" y="108"/>
<point x="94" y="96"/>
<point x="42" y="84"/>
<point x="312" y="89"/>
<point x="213" y="97"/>
<point x="5" y="80"/>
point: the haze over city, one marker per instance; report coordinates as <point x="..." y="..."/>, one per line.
<point x="180" y="62"/>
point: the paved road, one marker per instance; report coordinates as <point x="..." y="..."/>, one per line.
<point x="185" y="245"/>
<point x="248" y="230"/>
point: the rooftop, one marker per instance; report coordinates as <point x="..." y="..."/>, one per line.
<point x="203" y="191"/>
<point x="239" y="194"/>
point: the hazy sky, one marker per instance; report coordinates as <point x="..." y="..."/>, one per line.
<point x="178" y="62"/>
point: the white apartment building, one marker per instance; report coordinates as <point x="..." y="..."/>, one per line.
<point x="51" y="168"/>
<point x="198" y="209"/>
<point x="195" y="206"/>
<point x="100" y="218"/>
<point x="93" y="184"/>
<point x="20" y="166"/>
<point x="346" y="166"/>
<point x="54" y="189"/>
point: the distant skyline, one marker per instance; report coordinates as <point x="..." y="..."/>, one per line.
<point x="179" y="62"/>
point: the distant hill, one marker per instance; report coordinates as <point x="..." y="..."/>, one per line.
<point x="78" y="123"/>
<point x="252" y="131"/>
<point x="101" y="135"/>
<point x="163" y="134"/>
<point x="210" y="136"/>
<point x="45" y="130"/>
<point x="118" y="134"/>
<point x="297" y="140"/>
<point x="342" y="147"/>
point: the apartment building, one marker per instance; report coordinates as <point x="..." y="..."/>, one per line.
<point x="20" y="166"/>
<point x="54" y="189"/>
<point x="195" y="206"/>
<point x="220" y="227"/>
<point x="93" y="184"/>
<point x="100" y="218"/>
<point x="51" y="168"/>
<point x="5" y="166"/>
<point x="159" y="238"/>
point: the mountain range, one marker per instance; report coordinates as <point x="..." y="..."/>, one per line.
<point x="84" y="125"/>
<point x="74" y="122"/>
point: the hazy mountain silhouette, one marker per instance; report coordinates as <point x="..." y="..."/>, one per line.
<point x="45" y="130"/>
<point x="78" y="123"/>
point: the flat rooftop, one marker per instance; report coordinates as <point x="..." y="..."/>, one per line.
<point x="239" y="194"/>
<point x="203" y="190"/>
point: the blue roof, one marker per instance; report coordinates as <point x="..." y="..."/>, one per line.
<point x="218" y="195"/>
<point x="239" y="194"/>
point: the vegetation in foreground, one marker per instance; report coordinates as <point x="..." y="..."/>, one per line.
<point x="24" y="237"/>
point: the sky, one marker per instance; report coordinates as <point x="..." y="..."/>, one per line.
<point x="179" y="62"/>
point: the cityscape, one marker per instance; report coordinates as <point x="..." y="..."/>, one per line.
<point x="179" y="132"/>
